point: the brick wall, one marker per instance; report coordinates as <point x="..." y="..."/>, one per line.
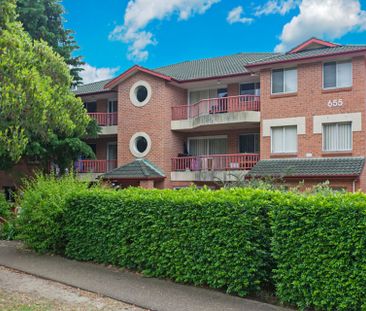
<point x="154" y="118"/>
<point x="311" y="100"/>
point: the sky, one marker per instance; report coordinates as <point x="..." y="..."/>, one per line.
<point x="113" y="35"/>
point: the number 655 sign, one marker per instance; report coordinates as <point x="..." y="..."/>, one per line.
<point x="335" y="103"/>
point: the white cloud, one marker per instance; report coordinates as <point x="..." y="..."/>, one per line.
<point x="139" y="13"/>
<point x="327" y="19"/>
<point x="92" y="74"/>
<point x="235" y="16"/>
<point x="277" y="7"/>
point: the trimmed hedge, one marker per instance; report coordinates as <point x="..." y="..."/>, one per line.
<point x="42" y="206"/>
<point x="319" y="245"/>
<point x="215" y="238"/>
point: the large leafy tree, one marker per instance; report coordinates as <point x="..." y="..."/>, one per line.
<point x="42" y="19"/>
<point x="39" y="115"/>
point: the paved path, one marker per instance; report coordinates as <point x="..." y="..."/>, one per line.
<point x="149" y="293"/>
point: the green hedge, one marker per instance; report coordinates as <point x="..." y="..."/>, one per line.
<point x="319" y="245"/>
<point x="215" y="238"/>
<point x="42" y="206"/>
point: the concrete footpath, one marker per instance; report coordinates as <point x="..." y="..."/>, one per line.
<point x="149" y="293"/>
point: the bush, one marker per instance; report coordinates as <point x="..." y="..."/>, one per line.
<point x="215" y="238"/>
<point x="5" y="218"/>
<point x="319" y="245"/>
<point x="42" y="206"/>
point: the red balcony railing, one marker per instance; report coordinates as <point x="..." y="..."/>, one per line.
<point x="216" y="162"/>
<point x="216" y="105"/>
<point x="95" y="166"/>
<point x="104" y="118"/>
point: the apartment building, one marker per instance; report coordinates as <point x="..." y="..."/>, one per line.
<point x="298" y="115"/>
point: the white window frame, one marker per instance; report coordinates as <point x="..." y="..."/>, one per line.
<point x="109" y="105"/>
<point x="337" y="87"/>
<point x="336" y="150"/>
<point x="284" y="74"/>
<point x="283" y="137"/>
<point x="240" y="84"/>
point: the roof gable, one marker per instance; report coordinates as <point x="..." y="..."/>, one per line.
<point x="311" y="44"/>
<point x="130" y="72"/>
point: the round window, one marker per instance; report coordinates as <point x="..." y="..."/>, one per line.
<point x="140" y="144"/>
<point x="140" y="93"/>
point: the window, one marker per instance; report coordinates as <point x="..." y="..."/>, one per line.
<point x="140" y="93"/>
<point x="250" y="89"/>
<point x="140" y="144"/>
<point x="337" y="74"/>
<point x="196" y="96"/>
<point x="207" y="145"/>
<point x="284" y="80"/>
<point x="284" y="139"/>
<point x="90" y="107"/>
<point x="249" y="143"/>
<point x="337" y="136"/>
<point x="112" y="106"/>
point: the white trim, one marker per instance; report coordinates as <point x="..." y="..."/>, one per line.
<point x="337" y="61"/>
<point x="133" y="89"/>
<point x="336" y="150"/>
<point x="133" y="149"/>
<point x="298" y="121"/>
<point x="283" y="137"/>
<point x="355" y="118"/>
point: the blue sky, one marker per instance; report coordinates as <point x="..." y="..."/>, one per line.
<point x="113" y="35"/>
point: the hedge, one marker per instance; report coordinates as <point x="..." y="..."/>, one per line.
<point x="215" y="238"/>
<point x="42" y="205"/>
<point x="319" y="244"/>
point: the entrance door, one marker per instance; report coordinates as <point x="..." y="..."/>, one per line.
<point x="111" y="156"/>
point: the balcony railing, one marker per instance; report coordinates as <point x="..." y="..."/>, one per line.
<point x="95" y="166"/>
<point x="216" y="105"/>
<point x="104" y="118"/>
<point x="216" y="162"/>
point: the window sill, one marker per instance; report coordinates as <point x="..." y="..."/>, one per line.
<point x="336" y="90"/>
<point x="279" y="95"/>
<point x="283" y="155"/>
<point x="336" y="153"/>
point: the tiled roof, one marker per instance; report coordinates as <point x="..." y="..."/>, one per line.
<point x="138" y="169"/>
<point x="212" y="67"/>
<point x="327" y="167"/>
<point x="94" y="87"/>
<point x="308" y="53"/>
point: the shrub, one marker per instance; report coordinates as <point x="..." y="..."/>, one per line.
<point x="42" y="206"/>
<point x="319" y="245"/>
<point x="6" y="227"/>
<point x="215" y="238"/>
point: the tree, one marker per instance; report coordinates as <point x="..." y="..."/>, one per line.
<point x="42" y="19"/>
<point x="39" y="114"/>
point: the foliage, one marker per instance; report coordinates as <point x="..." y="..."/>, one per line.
<point x="42" y="205"/>
<point x="215" y="238"/>
<point x="43" y="20"/>
<point x="319" y="244"/>
<point x="6" y="219"/>
<point x="37" y="108"/>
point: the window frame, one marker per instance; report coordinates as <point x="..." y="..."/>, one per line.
<point x="247" y="134"/>
<point x="336" y="62"/>
<point x="216" y="88"/>
<point x="203" y="138"/>
<point x="283" y="136"/>
<point x="336" y="150"/>
<point x="284" y="79"/>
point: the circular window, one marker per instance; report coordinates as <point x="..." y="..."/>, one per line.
<point x="140" y="93"/>
<point x="140" y="144"/>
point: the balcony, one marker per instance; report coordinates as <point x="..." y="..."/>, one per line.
<point x="107" y="121"/>
<point x="95" y="166"/>
<point x="217" y="111"/>
<point x="211" y="167"/>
